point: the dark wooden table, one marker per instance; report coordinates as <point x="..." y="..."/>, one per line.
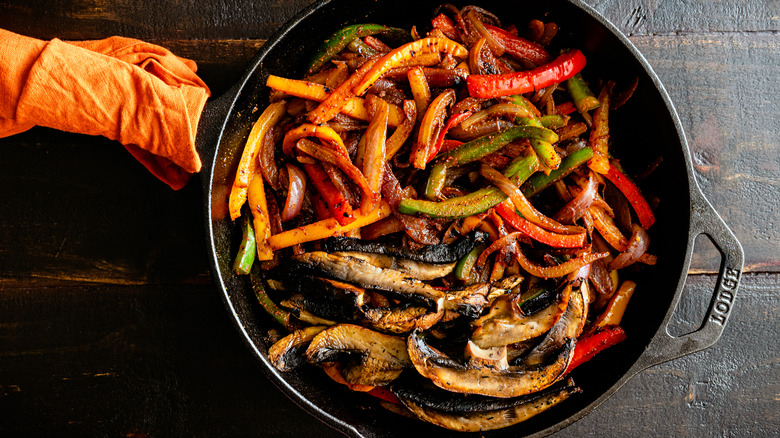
<point x="110" y="324"/>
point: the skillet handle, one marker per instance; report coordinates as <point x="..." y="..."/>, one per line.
<point x="704" y="220"/>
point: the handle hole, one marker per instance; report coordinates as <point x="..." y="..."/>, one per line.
<point x="697" y="294"/>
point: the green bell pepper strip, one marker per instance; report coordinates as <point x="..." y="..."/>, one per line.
<point x="246" y="252"/>
<point x="547" y="154"/>
<point x="436" y="181"/>
<point x="465" y="266"/>
<point x="523" y="102"/>
<point x="336" y="43"/>
<point x="478" y="148"/>
<point x="281" y="316"/>
<point x="520" y="169"/>
<point x="553" y="121"/>
<point x="358" y="46"/>
<point x="583" y="98"/>
<point x="541" y="181"/>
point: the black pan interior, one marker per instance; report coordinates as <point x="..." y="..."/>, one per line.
<point x="643" y="129"/>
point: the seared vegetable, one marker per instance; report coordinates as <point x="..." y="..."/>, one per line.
<point x="374" y="358"/>
<point x="451" y="212"/>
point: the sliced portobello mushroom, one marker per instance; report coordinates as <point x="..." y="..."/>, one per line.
<point x="451" y="375"/>
<point x="504" y="324"/>
<point x="299" y="307"/>
<point x="569" y="326"/>
<point x="367" y="356"/>
<point x="366" y="275"/>
<point x="288" y="353"/>
<point x="401" y="319"/>
<point x="472" y="413"/>
<point x="442" y="253"/>
<point x="472" y="299"/>
<point x="493" y="357"/>
<point x="326" y="298"/>
<point x="417" y="269"/>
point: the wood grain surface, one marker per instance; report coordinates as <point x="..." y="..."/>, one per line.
<point x="110" y="324"/>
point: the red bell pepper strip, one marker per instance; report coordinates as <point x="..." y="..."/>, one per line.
<point x="560" y="69"/>
<point x="453" y="121"/>
<point x="592" y="344"/>
<point x="565" y="108"/>
<point x="383" y="393"/>
<point x="538" y="233"/>
<point x="634" y="196"/>
<point x="446" y="26"/>
<point x="520" y="47"/>
<point x="337" y="204"/>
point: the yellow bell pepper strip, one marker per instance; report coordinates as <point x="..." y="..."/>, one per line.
<point x="584" y="100"/>
<point x="431" y="125"/>
<point x="337" y="205"/>
<point x="246" y="252"/>
<point x="421" y="92"/>
<point x="403" y="131"/>
<point x="248" y="163"/>
<point x="541" y="181"/>
<point x="323" y="132"/>
<point x="632" y="193"/>
<point x="375" y="152"/>
<point x="507" y="211"/>
<point x="355" y="107"/>
<point x="327" y="228"/>
<point x="507" y="84"/>
<point x="478" y="201"/>
<point x="402" y="55"/>
<point x="261" y="219"/>
<point x="616" y="307"/>
<point x="594" y="343"/>
<point x="336" y="43"/>
<point x="599" y="133"/>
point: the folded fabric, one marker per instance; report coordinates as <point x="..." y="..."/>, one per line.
<point x="124" y="89"/>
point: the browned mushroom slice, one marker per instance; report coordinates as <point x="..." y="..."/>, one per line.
<point x="472" y="299"/>
<point x="366" y="275"/>
<point x="504" y="325"/>
<point x="367" y="357"/>
<point x="287" y="353"/>
<point x="299" y="306"/>
<point x="418" y="270"/>
<point x="401" y="319"/>
<point x="451" y="375"/>
<point x="494" y="357"/>
<point x="569" y="326"/>
<point x="323" y="297"/>
<point x="469" y="413"/>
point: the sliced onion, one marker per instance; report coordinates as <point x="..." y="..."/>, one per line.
<point x="498" y="110"/>
<point x="637" y="246"/>
<point x="266" y="161"/>
<point x="503" y="242"/>
<point x="575" y="208"/>
<point x="523" y="205"/>
<point x="495" y="46"/>
<point x="564" y="268"/>
<point x="430" y="126"/>
<point x="600" y="278"/>
<point x="296" y="189"/>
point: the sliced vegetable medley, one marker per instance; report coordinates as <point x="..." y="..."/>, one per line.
<point x="437" y="220"/>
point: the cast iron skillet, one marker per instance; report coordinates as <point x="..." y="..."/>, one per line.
<point x="647" y="125"/>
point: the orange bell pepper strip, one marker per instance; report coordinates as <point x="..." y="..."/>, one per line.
<point x="355" y="107"/>
<point x="599" y="133"/>
<point x="327" y="228"/>
<point x="261" y="219"/>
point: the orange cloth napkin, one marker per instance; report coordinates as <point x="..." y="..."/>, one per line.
<point x="127" y="90"/>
